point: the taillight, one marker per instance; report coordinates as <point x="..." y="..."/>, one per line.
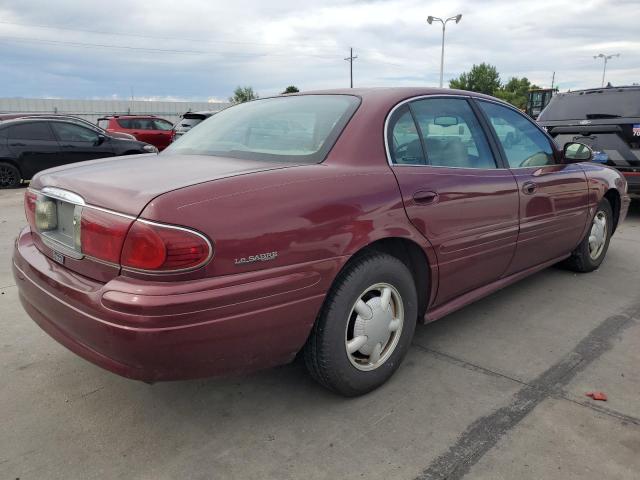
<point x="102" y="234"/>
<point x="30" y="207"/>
<point x="115" y="238"/>
<point x="156" y="247"/>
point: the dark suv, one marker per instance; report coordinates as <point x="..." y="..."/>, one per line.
<point x="607" y="119"/>
<point x="29" y="145"/>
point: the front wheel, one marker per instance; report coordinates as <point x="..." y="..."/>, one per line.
<point x="592" y="249"/>
<point x="365" y="327"/>
<point x="9" y="176"/>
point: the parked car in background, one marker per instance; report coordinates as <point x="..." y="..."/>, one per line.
<point x="188" y="121"/>
<point x="607" y="119"/>
<point x="70" y="118"/>
<point x="31" y="144"/>
<point x="145" y="128"/>
<point x="328" y="223"/>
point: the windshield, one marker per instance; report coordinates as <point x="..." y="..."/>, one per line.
<point x="296" y="129"/>
<point x="592" y="105"/>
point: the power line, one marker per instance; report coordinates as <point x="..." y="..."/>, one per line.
<point x="159" y="50"/>
<point x="156" y="37"/>
<point x="327" y="49"/>
<point x="246" y="54"/>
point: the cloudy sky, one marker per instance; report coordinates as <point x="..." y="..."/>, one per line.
<point x="203" y="49"/>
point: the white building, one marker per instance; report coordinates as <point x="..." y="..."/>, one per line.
<point x="93" y="109"/>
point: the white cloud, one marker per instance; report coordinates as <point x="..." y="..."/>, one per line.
<point x="204" y="49"/>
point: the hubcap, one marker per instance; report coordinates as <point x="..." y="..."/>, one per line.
<point x="598" y="235"/>
<point x="374" y="326"/>
<point x="7" y="177"/>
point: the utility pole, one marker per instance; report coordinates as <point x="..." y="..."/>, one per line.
<point x="350" y="59"/>
<point x="606" y="59"/>
<point x="553" y="79"/>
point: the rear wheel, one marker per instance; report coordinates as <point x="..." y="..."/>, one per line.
<point x="9" y="176"/>
<point x="365" y="327"/>
<point x="592" y="249"/>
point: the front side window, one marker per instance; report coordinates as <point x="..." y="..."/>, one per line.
<point x="451" y="134"/>
<point x="31" y="131"/>
<point x="523" y="143"/>
<point x="67" y="132"/>
<point x="295" y="129"/>
<point x="404" y="141"/>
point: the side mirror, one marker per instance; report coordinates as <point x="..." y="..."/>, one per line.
<point x="101" y="139"/>
<point x="574" y="152"/>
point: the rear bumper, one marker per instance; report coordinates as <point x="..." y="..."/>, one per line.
<point x="174" y="330"/>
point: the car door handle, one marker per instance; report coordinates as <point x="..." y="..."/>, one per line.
<point x="425" y="198"/>
<point x="17" y="144"/>
<point x="529" y="188"/>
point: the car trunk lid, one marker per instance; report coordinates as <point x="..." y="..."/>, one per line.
<point x="127" y="184"/>
<point x="118" y="189"/>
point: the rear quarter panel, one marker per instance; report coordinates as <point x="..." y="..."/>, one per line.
<point x="301" y="214"/>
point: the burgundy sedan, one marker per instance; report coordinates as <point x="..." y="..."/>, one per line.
<point x="327" y="223"/>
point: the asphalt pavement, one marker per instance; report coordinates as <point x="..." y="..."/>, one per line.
<point x="494" y="391"/>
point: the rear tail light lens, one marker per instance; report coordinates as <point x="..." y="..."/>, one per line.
<point x="102" y="234"/>
<point x="30" y="199"/>
<point x="118" y="239"/>
<point x="155" y="247"/>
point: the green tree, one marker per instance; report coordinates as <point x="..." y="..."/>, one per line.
<point x="243" y="94"/>
<point x="483" y="78"/>
<point x="290" y="89"/>
<point x="515" y="91"/>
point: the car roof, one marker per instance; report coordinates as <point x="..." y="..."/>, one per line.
<point x="383" y="99"/>
<point x="608" y="89"/>
<point x="130" y="116"/>
<point x="393" y="95"/>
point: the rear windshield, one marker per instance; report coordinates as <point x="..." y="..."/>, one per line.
<point x="593" y="105"/>
<point x="189" y="122"/>
<point x="296" y="129"/>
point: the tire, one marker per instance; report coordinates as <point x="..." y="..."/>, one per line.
<point x="9" y="176"/>
<point x="368" y="279"/>
<point x="587" y="257"/>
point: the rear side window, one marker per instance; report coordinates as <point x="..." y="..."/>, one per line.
<point x="523" y="143"/>
<point x="31" y="131"/>
<point x="405" y="146"/>
<point x="452" y="134"/>
<point x="136" y="123"/>
<point x="104" y="124"/>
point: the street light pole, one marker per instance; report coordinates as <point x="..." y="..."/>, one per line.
<point x="606" y="59"/>
<point x="430" y="20"/>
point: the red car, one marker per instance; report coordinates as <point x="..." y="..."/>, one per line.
<point x="327" y="223"/>
<point x="150" y="129"/>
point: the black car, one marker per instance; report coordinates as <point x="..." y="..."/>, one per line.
<point x="188" y="121"/>
<point x="607" y="119"/>
<point x="31" y="144"/>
